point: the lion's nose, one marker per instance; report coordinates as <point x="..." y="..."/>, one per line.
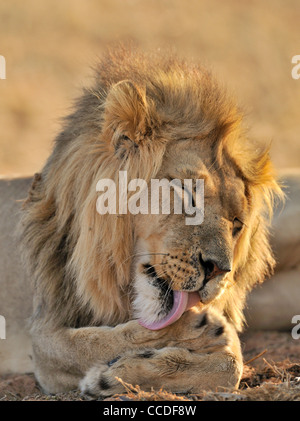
<point x="212" y="268"/>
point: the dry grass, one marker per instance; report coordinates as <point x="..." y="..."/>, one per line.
<point x="50" y="46"/>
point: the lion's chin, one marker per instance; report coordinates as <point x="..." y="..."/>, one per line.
<point x="182" y="301"/>
<point x="213" y="289"/>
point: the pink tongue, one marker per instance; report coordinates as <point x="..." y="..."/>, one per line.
<point x="182" y="302"/>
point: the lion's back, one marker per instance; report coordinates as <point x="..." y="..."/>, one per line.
<point x="272" y="306"/>
<point x="15" y="292"/>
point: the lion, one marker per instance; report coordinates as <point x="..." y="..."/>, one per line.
<point x="101" y="282"/>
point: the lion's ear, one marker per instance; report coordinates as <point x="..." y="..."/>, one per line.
<point x="126" y="113"/>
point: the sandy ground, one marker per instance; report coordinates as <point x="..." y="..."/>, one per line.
<point x="271" y="373"/>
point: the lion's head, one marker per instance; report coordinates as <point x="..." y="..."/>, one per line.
<point x="159" y="118"/>
<point x="171" y="255"/>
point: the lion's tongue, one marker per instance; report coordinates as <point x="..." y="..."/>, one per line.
<point x="182" y="301"/>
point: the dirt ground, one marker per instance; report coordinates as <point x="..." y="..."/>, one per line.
<point x="271" y="373"/>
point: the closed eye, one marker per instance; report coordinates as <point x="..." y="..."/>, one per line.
<point x="184" y="188"/>
<point x="190" y="195"/>
<point x="237" y="226"/>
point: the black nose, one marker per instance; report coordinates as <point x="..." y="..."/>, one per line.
<point x="212" y="268"/>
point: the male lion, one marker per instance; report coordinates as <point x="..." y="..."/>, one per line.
<point x="95" y="275"/>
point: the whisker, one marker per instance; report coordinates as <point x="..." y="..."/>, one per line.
<point x="164" y="282"/>
<point x="160" y="273"/>
<point x="144" y="254"/>
<point x="169" y="289"/>
<point x="157" y="264"/>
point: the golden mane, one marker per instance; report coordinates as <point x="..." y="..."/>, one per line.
<point x="80" y="262"/>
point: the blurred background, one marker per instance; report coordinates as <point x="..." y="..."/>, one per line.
<point x="51" y="45"/>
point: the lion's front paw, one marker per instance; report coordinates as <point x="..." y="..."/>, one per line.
<point x="200" y="331"/>
<point x="103" y="379"/>
<point x="197" y="355"/>
<point x="100" y="382"/>
<point x="148" y="368"/>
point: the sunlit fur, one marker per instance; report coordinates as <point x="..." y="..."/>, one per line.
<point x="80" y="262"/>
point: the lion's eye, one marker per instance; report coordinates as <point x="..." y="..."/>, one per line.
<point x="237" y="226"/>
<point x="190" y="194"/>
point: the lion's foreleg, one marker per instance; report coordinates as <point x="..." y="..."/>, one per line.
<point x="63" y="356"/>
<point x="208" y="359"/>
